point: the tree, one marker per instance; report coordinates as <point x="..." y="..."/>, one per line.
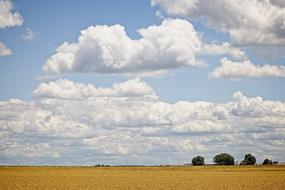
<point x="248" y="160"/>
<point x="198" y="161"/>
<point x="242" y="163"/>
<point x="224" y="159"/>
<point x="267" y="162"/>
<point x="275" y="162"/>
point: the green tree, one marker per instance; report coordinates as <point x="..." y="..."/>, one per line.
<point x="224" y="159"/>
<point x="198" y="161"/>
<point x="267" y="162"/>
<point x="248" y="160"/>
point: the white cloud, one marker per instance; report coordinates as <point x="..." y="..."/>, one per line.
<point x="108" y="49"/>
<point x="222" y="49"/>
<point x="256" y="107"/>
<point x="62" y="127"/>
<point x="201" y="126"/>
<point x="66" y="89"/>
<point x="30" y="151"/>
<point x="7" y="17"/>
<point x="29" y="35"/>
<point x="244" y="69"/>
<point x="107" y="145"/>
<point x="247" y="22"/>
<point x="4" y="51"/>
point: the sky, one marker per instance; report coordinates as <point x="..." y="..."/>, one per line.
<point x="141" y="82"/>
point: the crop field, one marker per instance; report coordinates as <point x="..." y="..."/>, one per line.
<point x="83" y="178"/>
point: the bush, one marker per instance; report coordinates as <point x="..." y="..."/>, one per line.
<point x="267" y="162"/>
<point x="242" y="163"/>
<point x="248" y="160"/>
<point x="224" y="159"/>
<point x="198" y="161"/>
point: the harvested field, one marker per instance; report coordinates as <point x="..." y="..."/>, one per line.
<point x="83" y="178"/>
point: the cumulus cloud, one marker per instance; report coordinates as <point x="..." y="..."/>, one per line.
<point x="256" y="107"/>
<point x="66" y="89"/>
<point x="4" y="51"/>
<point x="119" y="122"/>
<point x="201" y="126"/>
<point x="223" y="49"/>
<point x="244" y="69"/>
<point x="30" y="151"/>
<point x="107" y="145"/>
<point x="8" y="18"/>
<point x="247" y="22"/>
<point x="108" y="49"/>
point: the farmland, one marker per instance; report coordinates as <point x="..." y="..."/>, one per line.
<point x="180" y="177"/>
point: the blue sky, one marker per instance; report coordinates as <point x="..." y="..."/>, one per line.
<point x="55" y="24"/>
<point x="254" y="55"/>
<point x="50" y="19"/>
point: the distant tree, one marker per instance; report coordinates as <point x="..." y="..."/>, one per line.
<point x="267" y="162"/>
<point x="198" y="161"/>
<point x="242" y="163"/>
<point x="224" y="159"/>
<point x="248" y="160"/>
<point x="275" y="162"/>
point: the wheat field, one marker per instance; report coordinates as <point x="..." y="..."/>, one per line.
<point x="89" y="178"/>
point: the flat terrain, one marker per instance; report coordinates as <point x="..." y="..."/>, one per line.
<point x="83" y="178"/>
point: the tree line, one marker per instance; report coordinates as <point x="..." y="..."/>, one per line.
<point x="227" y="159"/>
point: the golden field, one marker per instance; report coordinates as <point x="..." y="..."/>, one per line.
<point x="83" y="178"/>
